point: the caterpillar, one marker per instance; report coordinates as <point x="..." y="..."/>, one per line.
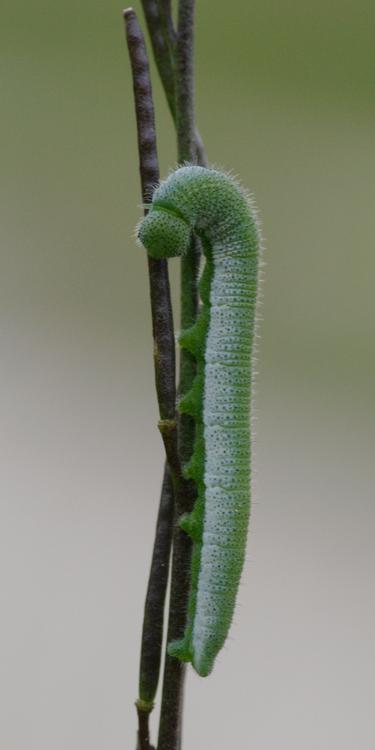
<point x="212" y="204"/>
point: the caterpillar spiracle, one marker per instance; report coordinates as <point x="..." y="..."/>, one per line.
<point x="211" y="204"/>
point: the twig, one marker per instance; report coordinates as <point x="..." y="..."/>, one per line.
<point x="186" y="152"/>
<point x="153" y="621"/>
<point x="144" y="108"/>
<point x="165" y="377"/>
<point x="174" y="57"/>
<point x="152" y="634"/>
<point x="185" y="81"/>
<point x="161" y="307"/>
<point x="143" y="734"/>
<point x="170" y="727"/>
<point x="158" y="15"/>
<point x="174" y="670"/>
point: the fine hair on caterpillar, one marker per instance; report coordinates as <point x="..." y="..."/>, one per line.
<point x="212" y="204"/>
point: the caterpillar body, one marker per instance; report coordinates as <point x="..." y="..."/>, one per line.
<point x="211" y="204"/>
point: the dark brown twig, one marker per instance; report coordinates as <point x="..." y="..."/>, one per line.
<point x="170" y="727"/>
<point x="161" y="307"/>
<point x="158" y="15"/>
<point x="159" y="22"/>
<point x="165" y="377"/>
<point x="152" y="634"/>
<point x="143" y="734"/>
<point x="174" y="57"/>
<point x="185" y="81"/>
<point x="186" y="152"/>
<point x="147" y="146"/>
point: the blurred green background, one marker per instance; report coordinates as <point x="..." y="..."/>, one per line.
<point x="285" y="99"/>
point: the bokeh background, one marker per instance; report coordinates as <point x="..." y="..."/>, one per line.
<point x="285" y="98"/>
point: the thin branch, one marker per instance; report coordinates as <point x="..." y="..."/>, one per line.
<point x="185" y="81"/>
<point x="161" y="307"/>
<point x="174" y="670"/>
<point x="165" y="377"/>
<point x="170" y="727"/>
<point x="152" y="635"/>
<point x="165" y="10"/>
<point x="153" y="621"/>
<point x="143" y="734"/>
<point x="186" y="152"/>
<point x="158" y="15"/>
<point x="144" y="108"/>
<point x="171" y="52"/>
<point x="201" y="151"/>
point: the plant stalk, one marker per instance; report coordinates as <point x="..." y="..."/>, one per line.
<point x="174" y="58"/>
<point x="165" y="379"/>
<point x="170" y="727"/>
<point x="158" y="15"/>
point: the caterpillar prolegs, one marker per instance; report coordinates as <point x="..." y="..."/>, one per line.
<point x="211" y="204"/>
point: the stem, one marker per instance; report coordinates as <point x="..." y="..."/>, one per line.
<point x="185" y="81"/>
<point x="174" y="670"/>
<point x="152" y="634"/>
<point x="161" y="307"/>
<point x="143" y="736"/>
<point x="165" y="378"/>
<point x="190" y="261"/>
<point x="144" y="108"/>
<point x="170" y="728"/>
<point x="174" y="58"/>
<point x="158" y="15"/>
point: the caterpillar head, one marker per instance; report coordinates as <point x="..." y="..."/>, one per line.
<point x="164" y="234"/>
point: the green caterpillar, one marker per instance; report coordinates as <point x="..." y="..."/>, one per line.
<point x="212" y="205"/>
